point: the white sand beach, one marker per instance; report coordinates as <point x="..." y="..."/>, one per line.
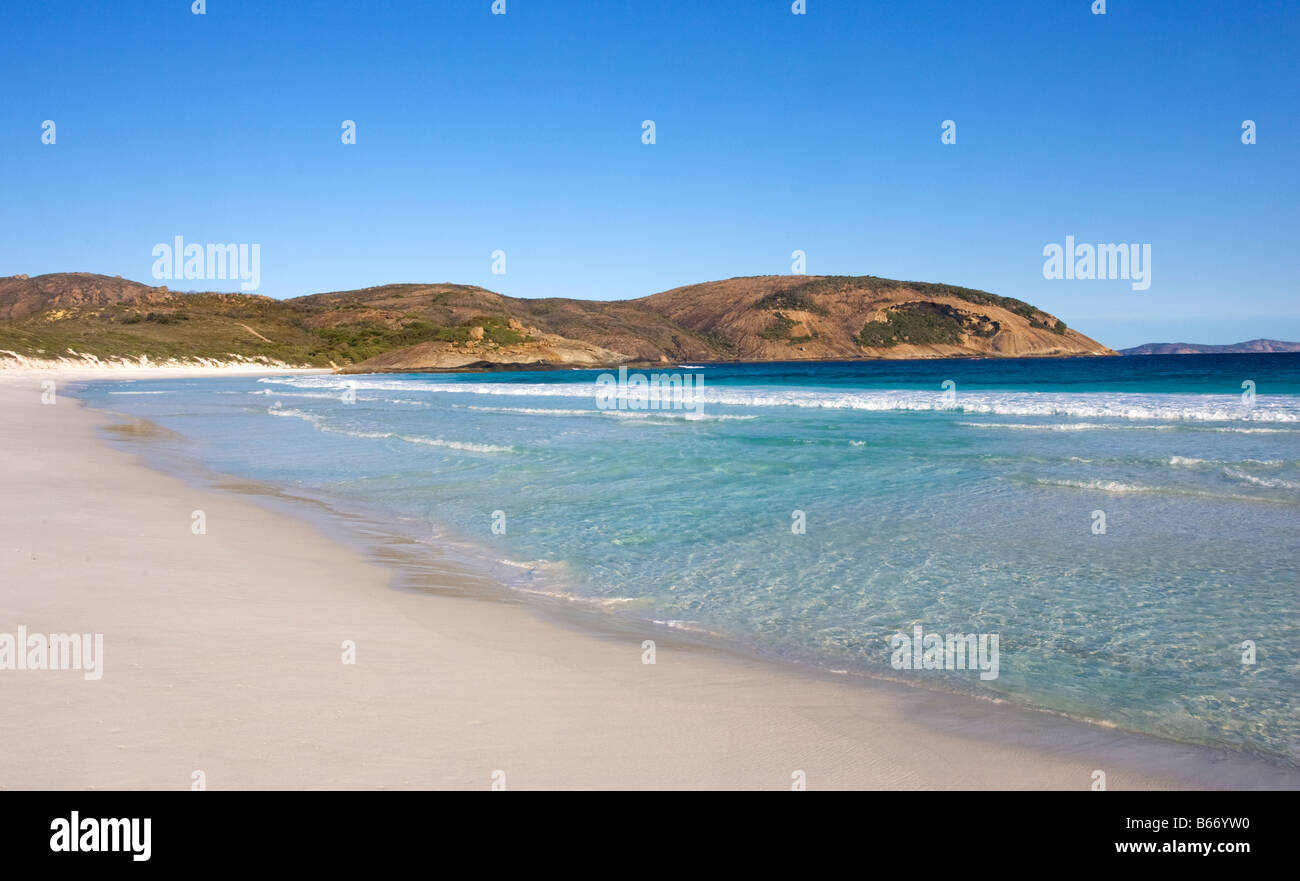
<point x="223" y="654"/>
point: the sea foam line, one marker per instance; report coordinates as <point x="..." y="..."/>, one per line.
<point x="315" y="420"/>
<point x="665" y="415"/>
<point x="1125" y="406"/>
<point x="1270" y="482"/>
<point x="1122" y="488"/>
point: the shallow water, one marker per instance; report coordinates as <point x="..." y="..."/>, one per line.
<point x="969" y="512"/>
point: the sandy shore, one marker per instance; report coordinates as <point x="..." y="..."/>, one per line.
<point x="223" y="654"/>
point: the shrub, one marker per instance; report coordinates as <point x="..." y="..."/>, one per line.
<point x="791" y="298"/>
<point x="779" y="329"/>
<point x="718" y="340"/>
<point x="914" y="323"/>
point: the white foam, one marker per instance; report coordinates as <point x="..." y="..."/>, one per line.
<point x="578" y="598"/>
<point x="1108" y="486"/>
<point x="1093" y="405"/>
<point x="454" y="445"/>
<point x="315" y="420"/>
<point x="1270" y="482"/>
<point x="1059" y="426"/>
<point x="277" y="410"/>
<point x="616" y="414"/>
<point x="1119" y="487"/>
<point x="279" y="393"/>
<point x="533" y="411"/>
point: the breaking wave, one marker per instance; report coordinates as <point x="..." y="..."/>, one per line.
<point x="1133" y="407"/>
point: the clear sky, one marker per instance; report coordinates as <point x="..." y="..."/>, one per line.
<point x="774" y="132"/>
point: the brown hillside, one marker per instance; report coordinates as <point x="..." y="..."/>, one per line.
<point x="406" y="326"/>
<point x="823" y="317"/>
<point x="21" y="296"/>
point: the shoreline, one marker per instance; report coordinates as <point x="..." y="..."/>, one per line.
<point x="16" y="370"/>
<point x="407" y="558"/>
<point x="19" y="367"/>
<point x="461" y="685"/>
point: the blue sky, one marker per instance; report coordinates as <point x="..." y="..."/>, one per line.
<point x="775" y="132"/>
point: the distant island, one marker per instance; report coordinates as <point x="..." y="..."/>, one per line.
<point x="404" y="327"/>
<point x="1201" y="349"/>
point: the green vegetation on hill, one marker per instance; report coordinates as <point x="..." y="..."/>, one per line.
<point x="917" y="324"/>
<point x="832" y="283"/>
<point x="779" y="329"/>
<point x="718" y="340"/>
<point x="360" y="340"/>
<point x="792" y="298"/>
<point x="221" y="325"/>
<point x="186" y="326"/>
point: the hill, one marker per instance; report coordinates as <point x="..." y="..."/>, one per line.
<point x="1201" y="349"/>
<point x="451" y="326"/>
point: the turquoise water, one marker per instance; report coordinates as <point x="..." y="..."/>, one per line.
<point x="965" y="513"/>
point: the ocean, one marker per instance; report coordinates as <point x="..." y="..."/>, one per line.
<point x="1126" y="527"/>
